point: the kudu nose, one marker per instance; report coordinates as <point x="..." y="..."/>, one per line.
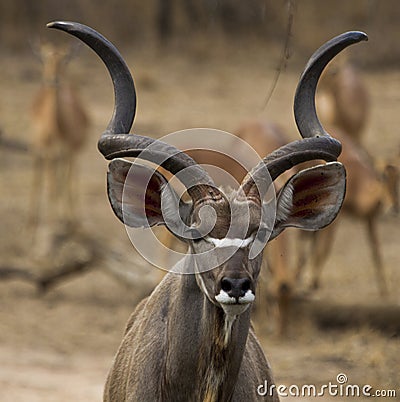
<point x="235" y="287"/>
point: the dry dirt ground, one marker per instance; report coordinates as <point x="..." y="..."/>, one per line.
<point x="59" y="346"/>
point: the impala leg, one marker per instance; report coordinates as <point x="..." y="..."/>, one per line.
<point x="36" y="193"/>
<point x="377" y="256"/>
<point x="70" y="190"/>
<point x="321" y="248"/>
<point x="302" y="252"/>
<point x="42" y="205"/>
<point x="284" y="303"/>
<point x="277" y="258"/>
<point x="52" y="171"/>
<point x="63" y="188"/>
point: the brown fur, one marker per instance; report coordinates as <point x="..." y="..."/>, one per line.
<point x="204" y="358"/>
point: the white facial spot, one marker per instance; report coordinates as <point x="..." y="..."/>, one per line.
<point x="248" y="297"/>
<point x="224" y="298"/>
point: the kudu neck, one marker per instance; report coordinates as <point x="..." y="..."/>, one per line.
<point x="216" y="358"/>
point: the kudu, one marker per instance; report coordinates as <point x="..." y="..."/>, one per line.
<point x="264" y="137"/>
<point x="191" y="339"/>
<point x="60" y="123"/>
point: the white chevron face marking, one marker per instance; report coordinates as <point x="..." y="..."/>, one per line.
<point x="226" y="242"/>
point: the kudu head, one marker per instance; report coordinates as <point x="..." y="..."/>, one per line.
<point x="222" y="230"/>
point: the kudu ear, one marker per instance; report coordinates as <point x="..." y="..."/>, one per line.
<point x="311" y="199"/>
<point x="134" y="192"/>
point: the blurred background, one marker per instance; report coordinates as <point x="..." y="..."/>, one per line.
<point x="65" y="294"/>
<point x="135" y="23"/>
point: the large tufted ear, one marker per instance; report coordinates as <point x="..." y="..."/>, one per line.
<point x="134" y="192"/>
<point x="311" y="199"/>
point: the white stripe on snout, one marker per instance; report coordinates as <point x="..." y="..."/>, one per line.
<point x="226" y="242"/>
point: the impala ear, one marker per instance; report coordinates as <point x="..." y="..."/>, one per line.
<point x="134" y="192"/>
<point x="311" y="199"/>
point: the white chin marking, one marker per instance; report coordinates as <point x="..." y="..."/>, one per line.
<point x="224" y="298"/>
<point x="248" y="297"/>
<point x="232" y="308"/>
